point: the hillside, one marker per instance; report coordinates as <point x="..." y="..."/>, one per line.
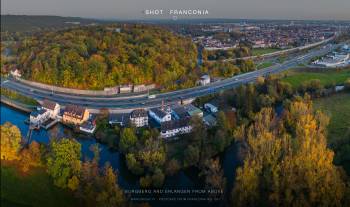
<point x="24" y="23"/>
<point x="95" y="57"/>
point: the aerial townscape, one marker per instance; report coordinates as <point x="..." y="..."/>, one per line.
<point x="175" y="111"/>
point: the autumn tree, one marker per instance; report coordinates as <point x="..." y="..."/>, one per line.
<point x="288" y="167"/>
<point x="10" y="141"/>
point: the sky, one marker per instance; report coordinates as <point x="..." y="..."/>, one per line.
<point x="135" y="9"/>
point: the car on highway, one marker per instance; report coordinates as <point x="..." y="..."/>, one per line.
<point x="151" y="96"/>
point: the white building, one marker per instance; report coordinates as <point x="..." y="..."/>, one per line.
<point x="211" y="108"/>
<point x="16" y="73"/>
<point x="175" y="127"/>
<point x="52" y="107"/>
<point x="39" y="116"/>
<point x="160" y="115"/>
<point x="204" y="80"/>
<point x="139" y="118"/>
<point x="337" y="60"/>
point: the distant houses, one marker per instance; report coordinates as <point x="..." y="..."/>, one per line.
<point x="171" y="120"/>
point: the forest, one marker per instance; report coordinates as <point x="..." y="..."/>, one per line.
<point x="94" y="57"/>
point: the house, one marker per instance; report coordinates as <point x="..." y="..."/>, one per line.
<point x="179" y="112"/>
<point x="160" y="115"/>
<point x="16" y="73"/>
<point x="193" y="111"/>
<point x="175" y="127"/>
<point x="209" y="120"/>
<point x="211" y="108"/>
<point x="120" y="119"/>
<point x="89" y="126"/>
<point x="75" y="114"/>
<point x="204" y="80"/>
<point x="52" y="107"/>
<point x="139" y="117"/>
<point x="39" y="116"/>
<point x="125" y="88"/>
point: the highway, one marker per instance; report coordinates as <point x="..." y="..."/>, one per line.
<point x="127" y="103"/>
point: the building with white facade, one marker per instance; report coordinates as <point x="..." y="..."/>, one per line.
<point x="204" y="80"/>
<point x="332" y="61"/>
<point x="139" y="117"/>
<point x="52" y="107"/>
<point x="211" y="108"/>
<point x="38" y="117"/>
<point x="175" y="127"/>
<point x="160" y="115"/>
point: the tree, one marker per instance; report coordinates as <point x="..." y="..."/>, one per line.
<point x="191" y="156"/>
<point x="111" y="195"/>
<point x="214" y="176"/>
<point x="289" y="167"/>
<point x="31" y="156"/>
<point x="128" y="140"/>
<point x="10" y="141"/>
<point x="63" y="161"/>
<point x="172" y="167"/>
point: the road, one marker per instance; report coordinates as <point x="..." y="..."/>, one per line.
<point x="124" y="104"/>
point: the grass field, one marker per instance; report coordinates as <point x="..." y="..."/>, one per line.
<point x="337" y="107"/>
<point x="261" y="51"/>
<point x="327" y="76"/>
<point x="264" y="65"/>
<point x="34" y="189"/>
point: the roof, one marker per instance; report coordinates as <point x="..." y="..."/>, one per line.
<point x="205" y="77"/>
<point x="180" y="111"/>
<point x="48" y="104"/>
<point x="160" y="113"/>
<point x="175" y="124"/>
<point x="191" y="110"/>
<point x="119" y="118"/>
<point x="37" y="113"/>
<point x="138" y="113"/>
<point x="74" y="111"/>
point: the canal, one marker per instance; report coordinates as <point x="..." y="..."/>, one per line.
<point x="187" y="179"/>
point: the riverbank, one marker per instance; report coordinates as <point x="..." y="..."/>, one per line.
<point x="17" y="105"/>
<point x="34" y="188"/>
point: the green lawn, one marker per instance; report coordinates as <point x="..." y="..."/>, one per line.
<point x="261" y="51"/>
<point x="13" y="95"/>
<point x="327" y="76"/>
<point x="337" y="107"/>
<point x="34" y="189"/>
<point x="264" y="65"/>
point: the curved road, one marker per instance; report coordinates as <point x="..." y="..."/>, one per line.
<point x="125" y="103"/>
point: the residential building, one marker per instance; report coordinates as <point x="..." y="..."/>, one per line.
<point x="75" y="114"/>
<point x="193" y="111"/>
<point x="16" y="73"/>
<point x="52" y="107"/>
<point x="38" y="117"/>
<point x="204" y="80"/>
<point x="89" y="126"/>
<point x="160" y="115"/>
<point x="179" y="112"/>
<point x="120" y="119"/>
<point x="139" y="117"/>
<point x="209" y="120"/>
<point x="211" y="108"/>
<point x="175" y="127"/>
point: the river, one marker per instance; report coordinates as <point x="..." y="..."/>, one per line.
<point x="187" y="179"/>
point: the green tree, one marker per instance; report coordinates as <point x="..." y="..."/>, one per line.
<point x="63" y="161"/>
<point x="128" y="140"/>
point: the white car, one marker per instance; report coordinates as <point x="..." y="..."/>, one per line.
<point x="151" y="96"/>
